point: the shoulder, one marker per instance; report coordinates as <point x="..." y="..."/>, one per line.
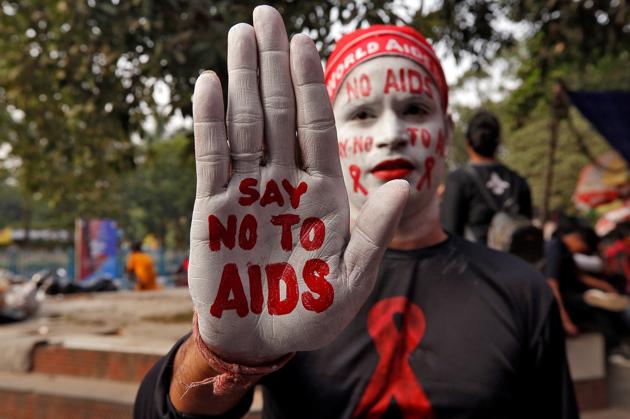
<point x="480" y="254"/>
<point x="458" y="176"/>
<point x="513" y="174"/>
<point x="553" y="245"/>
<point x="513" y="284"/>
<point x="509" y="274"/>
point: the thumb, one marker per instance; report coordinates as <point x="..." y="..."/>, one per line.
<point x="372" y="232"/>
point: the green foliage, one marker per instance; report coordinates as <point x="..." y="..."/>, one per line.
<point x="78" y="81"/>
<point x="563" y="38"/>
<point x="575" y="32"/>
<point x="527" y="151"/>
<point x="565" y="30"/>
<point x="157" y="197"/>
<point x="79" y="78"/>
<point x="10" y="206"/>
<point x="609" y="72"/>
<point x="467" y="28"/>
<point x="584" y="43"/>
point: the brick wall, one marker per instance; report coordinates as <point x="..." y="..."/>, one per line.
<point x="20" y="405"/>
<point x="120" y="366"/>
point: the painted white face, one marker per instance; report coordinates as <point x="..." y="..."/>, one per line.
<point x="390" y="125"/>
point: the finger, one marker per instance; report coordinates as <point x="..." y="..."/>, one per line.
<point x="317" y="134"/>
<point x="372" y="232"/>
<point x="276" y="88"/>
<point x="211" y="149"/>
<point x="244" y="113"/>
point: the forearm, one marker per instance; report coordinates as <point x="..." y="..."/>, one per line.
<point x="189" y="367"/>
<point x="553" y="284"/>
<point x="600" y="284"/>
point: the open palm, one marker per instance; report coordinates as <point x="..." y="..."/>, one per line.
<point x="273" y="269"/>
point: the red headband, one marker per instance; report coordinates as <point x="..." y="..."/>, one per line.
<point x="364" y="44"/>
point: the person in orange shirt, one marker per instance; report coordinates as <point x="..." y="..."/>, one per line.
<point x="140" y="269"/>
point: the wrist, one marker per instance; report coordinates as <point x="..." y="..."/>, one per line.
<point x="229" y="376"/>
<point x="190" y="367"/>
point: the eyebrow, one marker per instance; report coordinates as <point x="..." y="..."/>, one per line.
<point x="418" y="96"/>
<point x="362" y="102"/>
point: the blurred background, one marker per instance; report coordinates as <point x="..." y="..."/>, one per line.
<point x="96" y="147"/>
<point x="95" y="97"/>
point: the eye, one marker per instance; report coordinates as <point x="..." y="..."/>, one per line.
<point x="414" y="109"/>
<point x="361" y="114"/>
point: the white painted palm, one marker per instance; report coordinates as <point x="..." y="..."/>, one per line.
<point x="273" y="266"/>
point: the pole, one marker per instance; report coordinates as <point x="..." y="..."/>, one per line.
<point x="559" y="111"/>
<point x="553" y="143"/>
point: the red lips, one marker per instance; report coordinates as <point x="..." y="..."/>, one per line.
<point x="392" y="169"/>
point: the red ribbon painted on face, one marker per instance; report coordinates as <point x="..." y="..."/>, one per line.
<point x="429" y="162"/>
<point x="355" y="174"/>
<point x="393" y="377"/>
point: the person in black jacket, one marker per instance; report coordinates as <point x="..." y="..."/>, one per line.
<point x="465" y="211"/>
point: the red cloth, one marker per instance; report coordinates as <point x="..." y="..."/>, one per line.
<point x="377" y="40"/>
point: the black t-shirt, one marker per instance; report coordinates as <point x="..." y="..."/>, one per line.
<point x="559" y="264"/>
<point x="466" y="213"/>
<point x="451" y="331"/>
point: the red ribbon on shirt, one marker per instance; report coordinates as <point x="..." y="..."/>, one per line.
<point x="393" y="377"/>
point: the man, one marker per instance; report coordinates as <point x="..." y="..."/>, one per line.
<point x="442" y="329"/>
<point x="465" y="208"/>
<point x="140" y="269"/>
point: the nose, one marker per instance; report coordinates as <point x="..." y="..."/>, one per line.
<point x="391" y="133"/>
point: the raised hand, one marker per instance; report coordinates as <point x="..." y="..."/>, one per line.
<point x="273" y="268"/>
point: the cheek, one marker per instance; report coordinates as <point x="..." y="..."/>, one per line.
<point x="354" y="167"/>
<point x="427" y="140"/>
<point x="354" y="147"/>
<point x="427" y="146"/>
